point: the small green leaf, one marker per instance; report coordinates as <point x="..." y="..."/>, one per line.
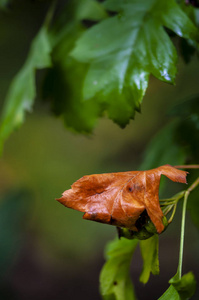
<point x="180" y="289"/>
<point x="123" y="50"/>
<point x="186" y="286"/>
<point x="22" y="90"/>
<point x="170" y="293"/>
<point x="115" y="282"/>
<point x="149" y="250"/>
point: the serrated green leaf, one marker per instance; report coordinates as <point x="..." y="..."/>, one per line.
<point x="115" y="283"/>
<point x="180" y="289"/>
<point x="175" y="19"/>
<point x="149" y="250"/>
<point x="123" y="50"/>
<point x="22" y="90"/>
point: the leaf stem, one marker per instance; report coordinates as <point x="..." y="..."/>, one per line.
<point x="50" y="13"/>
<point x="194" y="185"/>
<point x="173" y="213"/>
<point x="179" y="271"/>
<point x="186" y="195"/>
<point x="187" y="167"/>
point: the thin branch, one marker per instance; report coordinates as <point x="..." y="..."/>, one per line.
<point x="179" y="271"/>
<point x="187" y="167"/>
<point x="194" y="185"/>
<point x="186" y="195"/>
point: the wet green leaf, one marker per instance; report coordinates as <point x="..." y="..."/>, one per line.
<point x="115" y="282"/>
<point x="149" y="249"/>
<point x="125" y="49"/>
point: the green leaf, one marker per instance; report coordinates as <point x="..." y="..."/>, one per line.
<point x="123" y="50"/>
<point x="23" y="90"/>
<point x="64" y="81"/>
<point x="115" y="283"/>
<point x="149" y="250"/>
<point x="170" y="293"/>
<point x="186" y="286"/>
<point x="180" y="289"/>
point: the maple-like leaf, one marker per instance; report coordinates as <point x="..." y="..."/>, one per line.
<point x="120" y="198"/>
<point x="124" y="49"/>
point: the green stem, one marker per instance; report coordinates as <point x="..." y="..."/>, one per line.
<point x="194" y="185"/>
<point x="173" y="213"/>
<point x="167" y="209"/>
<point x="50" y="13"/>
<point x="179" y="271"/>
<point x="186" y="195"/>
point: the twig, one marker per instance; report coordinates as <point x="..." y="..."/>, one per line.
<point x="186" y="195"/>
<point x="194" y="185"/>
<point x="187" y="167"/>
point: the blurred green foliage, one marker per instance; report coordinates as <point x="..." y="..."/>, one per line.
<point x="110" y="80"/>
<point x="14" y="212"/>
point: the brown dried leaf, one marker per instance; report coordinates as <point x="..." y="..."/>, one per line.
<point x="119" y="198"/>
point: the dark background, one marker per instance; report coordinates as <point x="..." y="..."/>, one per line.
<point x="46" y="250"/>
